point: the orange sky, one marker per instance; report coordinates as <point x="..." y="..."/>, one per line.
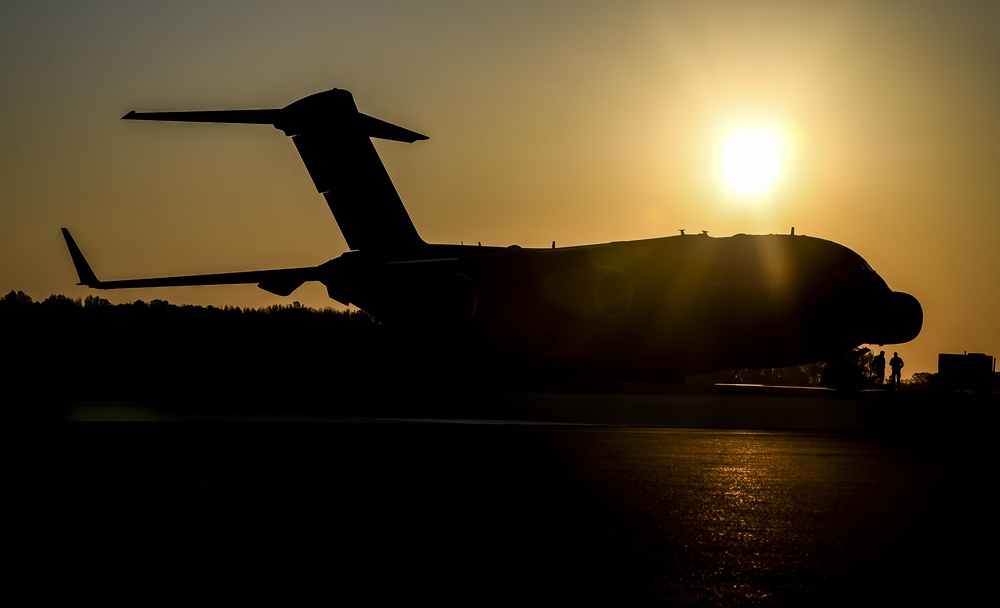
<point x="578" y="122"/>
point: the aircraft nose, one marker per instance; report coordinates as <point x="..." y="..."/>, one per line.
<point x="898" y="319"/>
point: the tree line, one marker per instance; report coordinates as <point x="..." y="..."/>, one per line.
<point x="91" y="348"/>
<point x="62" y="348"/>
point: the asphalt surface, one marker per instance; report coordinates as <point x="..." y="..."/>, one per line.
<point x="623" y="499"/>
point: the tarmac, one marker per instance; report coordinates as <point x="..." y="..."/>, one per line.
<point x="615" y="495"/>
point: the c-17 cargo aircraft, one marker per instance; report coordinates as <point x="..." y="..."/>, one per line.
<point x="662" y="307"/>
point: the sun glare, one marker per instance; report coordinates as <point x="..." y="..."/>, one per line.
<point x="752" y="161"/>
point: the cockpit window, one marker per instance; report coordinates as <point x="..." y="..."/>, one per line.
<point x="865" y="265"/>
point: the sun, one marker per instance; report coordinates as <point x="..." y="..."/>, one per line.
<point x="751" y="161"/>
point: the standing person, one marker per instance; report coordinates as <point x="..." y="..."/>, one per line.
<point x="878" y="364"/>
<point x="897" y="365"/>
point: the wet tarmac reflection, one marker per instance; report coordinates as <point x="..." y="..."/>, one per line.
<point x="498" y="513"/>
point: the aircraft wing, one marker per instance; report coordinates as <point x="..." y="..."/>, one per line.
<point x="280" y="282"/>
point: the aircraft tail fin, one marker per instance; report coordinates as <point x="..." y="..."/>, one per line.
<point x="334" y="141"/>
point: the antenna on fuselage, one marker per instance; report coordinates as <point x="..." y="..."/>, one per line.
<point x="682" y="232"/>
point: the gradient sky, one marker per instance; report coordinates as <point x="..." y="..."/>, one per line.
<point x="579" y="122"/>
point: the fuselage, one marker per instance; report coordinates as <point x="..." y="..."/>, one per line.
<point x="684" y="303"/>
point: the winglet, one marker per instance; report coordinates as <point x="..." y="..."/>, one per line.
<point x="83" y="270"/>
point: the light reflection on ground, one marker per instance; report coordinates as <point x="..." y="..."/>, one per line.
<point x="559" y="498"/>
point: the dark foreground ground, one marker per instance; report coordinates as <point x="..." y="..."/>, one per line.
<point x="715" y="498"/>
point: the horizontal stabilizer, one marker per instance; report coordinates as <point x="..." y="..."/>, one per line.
<point x="373" y="127"/>
<point x="334" y="141"/>
<point x="247" y="117"/>
<point x="320" y="112"/>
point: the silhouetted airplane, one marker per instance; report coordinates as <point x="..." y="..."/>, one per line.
<point x="658" y="307"/>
